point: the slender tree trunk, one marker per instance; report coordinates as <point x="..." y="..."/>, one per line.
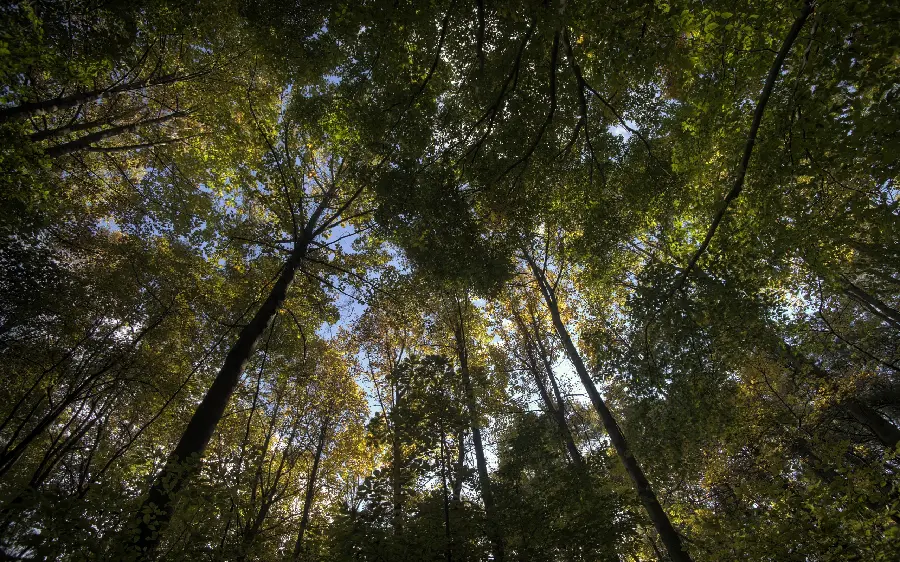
<point x="54" y="454"/>
<point x="396" y="485"/>
<point x="802" y="449"/>
<point x="86" y="141"/>
<point x="558" y="411"/>
<point x="396" y="470"/>
<point x="448" y="550"/>
<point x="460" y="466"/>
<point x="9" y="456"/>
<point x="270" y="495"/>
<point x="310" y="492"/>
<point x="737" y="188"/>
<point x="484" y="478"/>
<point x="253" y="531"/>
<point x="76" y="127"/>
<point x="661" y="522"/>
<point x="559" y="415"/>
<point x="183" y="463"/>
<point x="560" y="401"/>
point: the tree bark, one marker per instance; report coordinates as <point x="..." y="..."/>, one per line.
<point x="269" y="495"/>
<point x="560" y="418"/>
<point x="875" y="305"/>
<point x="577" y="458"/>
<point x="76" y="127"/>
<point x="310" y="492"/>
<point x="774" y="73"/>
<point x="448" y="548"/>
<point x="661" y="522"/>
<point x="484" y="478"/>
<point x="557" y="411"/>
<point x="183" y="463"/>
<point x="803" y="449"/>
<point x="8" y="457"/>
<point x="396" y="472"/>
<point x="459" y="467"/>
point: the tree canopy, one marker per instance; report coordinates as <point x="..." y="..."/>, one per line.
<point x="455" y="281"/>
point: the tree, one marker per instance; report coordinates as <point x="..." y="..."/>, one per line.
<point x="307" y="218"/>
<point x="392" y="280"/>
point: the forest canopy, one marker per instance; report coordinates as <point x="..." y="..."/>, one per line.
<point x="550" y="281"/>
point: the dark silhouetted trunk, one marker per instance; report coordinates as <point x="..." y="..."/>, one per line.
<point x="76" y="127"/>
<point x="886" y="432"/>
<point x="448" y="551"/>
<point x="802" y="449"/>
<point x="269" y="495"/>
<point x="558" y="411"/>
<point x="873" y="304"/>
<point x="10" y="454"/>
<point x="667" y="532"/>
<point x="460" y="466"/>
<point x="310" y="491"/>
<point x="396" y="470"/>
<point x="484" y="478"/>
<point x="183" y="462"/>
<point x="560" y="417"/>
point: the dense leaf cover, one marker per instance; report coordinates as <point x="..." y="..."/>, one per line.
<point x="450" y="280"/>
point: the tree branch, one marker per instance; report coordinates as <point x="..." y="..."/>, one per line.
<point x="774" y="71"/>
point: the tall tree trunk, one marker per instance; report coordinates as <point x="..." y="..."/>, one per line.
<point x="448" y="552"/>
<point x="183" y="463"/>
<point x="560" y="401"/>
<point x="396" y="486"/>
<point x="774" y="72"/>
<point x="252" y="532"/>
<point x="560" y="417"/>
<point x="310" y="491"/>
<point x="77" y="127"/>
<point x="803" y="449"/>
<point x="270" y="495"/>
<point x="484" y="478"/>
<point x="873" y="304"/>
<point x="661" y="522"/>
<point x="558" y="411"/>
<point x="460" y="466"/>
<point x="10" y="454"/>
<point x="396" y="469"/>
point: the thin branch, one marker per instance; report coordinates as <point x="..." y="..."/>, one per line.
<point x="326" y="224"/>
<point x="278" y="164"/>
<point x="554" y="59"/>
<point x="445" y="24"/>
<point x="774" y="72"/>
<point x="124" y="147"/>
